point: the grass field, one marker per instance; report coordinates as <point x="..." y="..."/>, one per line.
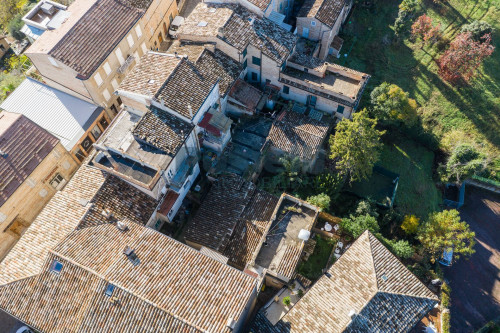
<point x="416" y="192"/>
<point x="313" y="267"/>
<point x="452" y="113"/>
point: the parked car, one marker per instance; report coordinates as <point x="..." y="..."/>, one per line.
<point x="174" y="26"/>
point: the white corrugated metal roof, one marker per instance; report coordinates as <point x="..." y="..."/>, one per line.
<point x="65" y="116"/>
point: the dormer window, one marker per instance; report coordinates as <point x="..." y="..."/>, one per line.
<point x="313" y="23"/>
<point x="56" y="266"/>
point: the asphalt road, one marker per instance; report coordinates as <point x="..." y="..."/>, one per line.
<point x="475" y="283"/>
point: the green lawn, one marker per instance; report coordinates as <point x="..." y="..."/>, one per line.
<point x="453" y="114"/>
<point x="416" y="193"/>
<point x="313" y="267"/>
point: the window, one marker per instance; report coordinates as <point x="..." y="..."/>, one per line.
<point x="254" y="76"/>
<point x="340" y="109"/>
<point x="58" y="182"/>
<point x="87" y="144"/>
<point x="107" y="68"/>
<point x="113" y="107"/>
<point x="119" y="100"/>
<point x="244" y="53"/>
<point x="56" y="266"/>
<point x="138" y="31"/>
<point x="103" y="122"/>
<point x="245" y="64"/>
<point x="119" y="55"/>
<point x="80" y="155"/>
<point x="43" y="193"/>
<point x="286" y="90"/>
<point x="109" y="290"/>
<point x="170" y="18"/>
<point x="160" y="38"/>
<point x="144" y="48"/>
<point x="98" y="79"/>
<point x="106" y="94"/>
<point x="114" y="83"/>
<point x="96" y="132"/>
<point x="256" y="61"/>
<point x="281" y="7"/>
<point x="313" y="23"/>
<point x="31" y="182"/>
<point x="165" y="29"/>
<point x="306" y="70"/>
<point x="53" y="62"/>
<point x="130" y="40"/>
<point x="312" y="100"/>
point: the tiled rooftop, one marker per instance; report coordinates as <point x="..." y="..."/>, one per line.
<point x="367" y="279"/>
<point x="20" y="154"/>
<point x="231" y="23"/>
<point x="246" y="94"/>
<point x="298" y="134"/>
<point x="84" y="47"/>
<point x="232" y="219"/>
<point x="261" y="4"/>
<point x="172" y="289"/>
<point x="326" y="11"/>
<point x="148" y="76"/>
<point x="193" y="80"/>
<point x="80" y="204"/>
<point x="162" y="130"/>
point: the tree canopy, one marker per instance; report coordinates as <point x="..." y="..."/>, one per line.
<point x="390" y="103"/>
<point x="410" y="224"/>
<point x="356" y="146"/>
<point x="445" y="230"/>
<point x="356" y="225"/>
<point x="478" y="29"/>
<point x="9" y="9"/>
<point x="464" y="162"/>
<point x="321" y="200"/>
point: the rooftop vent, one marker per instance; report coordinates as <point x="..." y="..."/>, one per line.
<point x="251" y="20"/>
<point x="352" y="314"/>
<point x="3" y="154"/>
<point x="107" y="213"/>
<point x="202" y="24"/>
<point x="151" y="81"/>
<point x="121" y="226"/>
<point x="130" y="253"/>
<point x="212" y="10"/>
<point x="384" y="277"/>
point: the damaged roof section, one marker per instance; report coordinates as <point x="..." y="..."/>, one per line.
<point x="298" y="134"/>
<point x="232" y="219"/>
<point x="239" y="28"/>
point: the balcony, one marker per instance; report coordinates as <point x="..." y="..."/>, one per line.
<point x="185" y="170"/>
<point x="123" y="68"/>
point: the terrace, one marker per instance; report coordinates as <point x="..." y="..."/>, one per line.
<point x="282" y="248"/>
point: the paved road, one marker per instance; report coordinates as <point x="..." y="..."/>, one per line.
<point x="475" y="283"/>
<point x="9" y="324"/>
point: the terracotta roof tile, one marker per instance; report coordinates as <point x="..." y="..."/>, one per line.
<point x="298" y="134"/>
<point x="367" y="279"/>
<point x="20" y="154"/>
<point x="326" y="11"/>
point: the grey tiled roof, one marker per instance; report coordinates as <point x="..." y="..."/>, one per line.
<point x="298" y="134"/>
<point x="174" y="288"/>
<point x="97" y="33"/>
<point x="232" y="219"/>
<point x="193" y="80"/>
<point x="326" y="11"/>
<point x="232" y="24"/>
<point x="367" y="279"/>
<point x="162" y="130"/>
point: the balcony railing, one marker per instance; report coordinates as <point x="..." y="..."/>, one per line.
<point x="185" y="170"/>
<point x="126" y="64"/>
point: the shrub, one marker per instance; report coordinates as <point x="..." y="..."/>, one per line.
<point x="401" y="249"/>
<point x="410" y="224"/>
<point x="15" y="26"/>
<point x="300" y="293"/>
<point x="445" y="319"/>
<point x="321" y="200"/>
<point x="286" y="301"/>
<point x="478" y="29"/>
<point x="355" y="226"/>
<point x="366" y="207"/>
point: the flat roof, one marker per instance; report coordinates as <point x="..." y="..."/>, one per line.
<point x="281" y="251"/>
<point x="63" y="115"/>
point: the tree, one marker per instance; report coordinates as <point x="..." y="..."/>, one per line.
<point x="478" y="29"/>
<point x="366" y="207"/>
<point x="401" y="248"/>
<point x="392" y="104"/>
<point x="407" y="9"/>
<point x="9" y="9"/>
<point x="464" y="57"/>
<point x="356" y="225"/>
<point x="356" y="146"/>
<point x="422" y="28"/>
<point x="444" y="230"/>
<point x="328" y="183"/>
<point x="15" y="25"/>
<point x="410" y="224"/>
<point x="321" y="200"/>
<point x="464" y="162"/>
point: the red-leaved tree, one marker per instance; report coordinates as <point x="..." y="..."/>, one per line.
<point x="423" y="28"/>
<point x="463" y="58"/>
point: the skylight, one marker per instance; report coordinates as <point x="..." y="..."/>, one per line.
<point x="202" y="24"/>
<point x="109" y="290"/>
<point x="56" y="266"/>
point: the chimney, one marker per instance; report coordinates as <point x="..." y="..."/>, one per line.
<point x="176" y="55"/>
<point x="231" y="323"/>
<point x="190" y="109"/>
<point x="221" y="32"/>
<point x="121" y="226"/>
<point x="352" y="314"/>
<point x="130" y="253"/>
<point x="107" y="213"/>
